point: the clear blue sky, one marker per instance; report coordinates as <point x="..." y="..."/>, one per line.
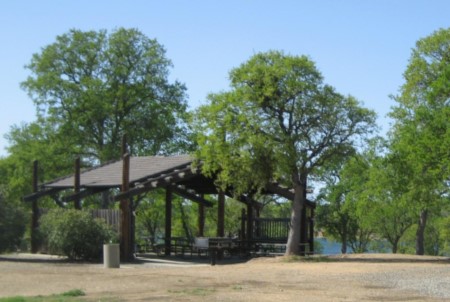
<point x="361" y="47"/>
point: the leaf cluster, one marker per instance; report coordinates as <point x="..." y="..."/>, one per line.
<point x="12" y="224"/>
<point x="93" y="87"/>
<point x="75" y="234"/>
<point x="277" y="121"/>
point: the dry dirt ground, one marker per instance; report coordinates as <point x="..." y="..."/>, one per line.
<point x="369" y="277"/>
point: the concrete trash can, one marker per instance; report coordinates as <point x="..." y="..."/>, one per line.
<point x="111" y="255"/>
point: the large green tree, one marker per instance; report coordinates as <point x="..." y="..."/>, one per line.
<point x="94" y="86"/>
<point x="421" y="133"/>
<point x="278" y="122"/>
<point x="342" y="211"/>
<point x="386" y="199"/>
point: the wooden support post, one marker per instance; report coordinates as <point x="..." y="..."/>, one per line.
<point x="249" y="234"/>
<point x="257" y="224"/>
<point x="35" y="211"/>
<point x="201" y="220"/>
<point x="124" y="145"/>
<point x="221" y="215"/>
<point x="126" y="244"/>
<point x="76" y="185"/>
<point x="243" y="219"/>
<point x="168" y="228"/>
<point x="311" y="232"/>
<point x="132" y="228"/>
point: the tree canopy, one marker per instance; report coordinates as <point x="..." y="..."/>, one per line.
<point x="421" y="133"/>
<point x="93" y="87"/>
<point x="278" y="122"/>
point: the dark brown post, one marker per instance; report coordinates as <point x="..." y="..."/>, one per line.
<point x="124" y="145"/>
<point x="311" y="232"/>
<point x="77" y="201"/>
<point x="126" y="244"/>
<point x="243" y="233"/>
<point x="168" y="231"/>
<point x="249" y="222"/>
<point x="201" y="220"/>
<point x="35" y="211"/>
<point x="221" y="215"/>
<point x="257" y="224"/>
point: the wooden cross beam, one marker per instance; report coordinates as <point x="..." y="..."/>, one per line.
<point x="39" y="194"/>
<point x="161" y="181"/>
<point x="186" y="194"/>
<point x="82" y="194"/>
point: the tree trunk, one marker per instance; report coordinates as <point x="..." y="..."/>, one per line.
<point x="395" y="246"/>
<point x="184" y="221"/>
<point x="344" y="243"/>
<point x="292" y="246"/>
<point x="105" y="197"/>
<point x="420" y="249"/>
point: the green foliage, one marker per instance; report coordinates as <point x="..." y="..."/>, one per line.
<point x="421" y="133"/>
<point x="387" y="199"/>
<point x="106" y="85"/>
<point x="34" y="141"/>
<point x="278" y="119"/>
<point x="368" y="193"/>
<point x="339" y="211"/>
<point x="89" y="89"/>
<point x="279" y="123"/>
<point x="12" y="225"/>
<point x="150" y="218"/>
<point x="444" y="235"/>
<point x="73" y="293"/>
<point x="75" y="233"/>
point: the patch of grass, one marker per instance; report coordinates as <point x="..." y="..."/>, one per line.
<point x="237" y="287"/>
<point x="296" y="258"/>
<point x="70" y="295"/>
<point x="202" y="291"/>
<point x="73" y="293"/>
<point x="194" y="291"/>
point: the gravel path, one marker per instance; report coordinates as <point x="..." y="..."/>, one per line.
<point x="427" y="281"/>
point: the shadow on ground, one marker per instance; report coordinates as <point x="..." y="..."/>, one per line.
<point x="144" y="259"/>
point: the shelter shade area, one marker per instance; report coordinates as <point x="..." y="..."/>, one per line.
<point x="135" y="176"/>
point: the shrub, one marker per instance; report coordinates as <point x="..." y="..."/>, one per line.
<point x="12" y="226"/>
<point x="75" y="234"/>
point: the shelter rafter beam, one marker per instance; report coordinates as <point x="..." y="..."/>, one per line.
<point x="39" y="194"/>
<point x="186" y="194"/>
<point x="161" y="181"/>
<point x="83" y="194"/>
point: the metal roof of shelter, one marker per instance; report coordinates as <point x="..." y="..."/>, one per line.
<point x="110" y="174"/>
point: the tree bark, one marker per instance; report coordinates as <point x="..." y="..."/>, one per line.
<point x="395" y="246"/>
<point x="420" y="246"/>
<point x="344" y="243"/>
<point x="299" y="181"/>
